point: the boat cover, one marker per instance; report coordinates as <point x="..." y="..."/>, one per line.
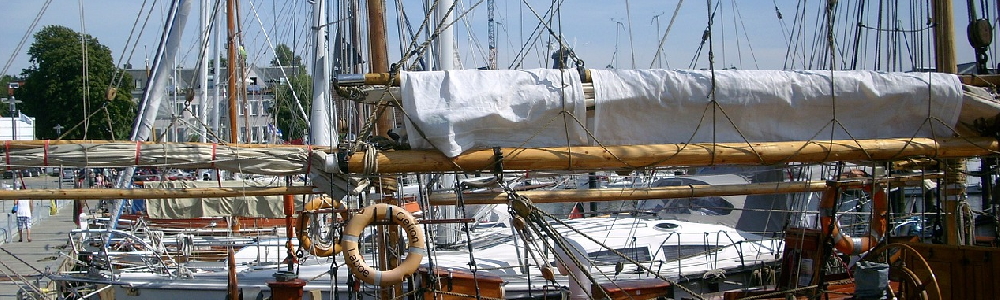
<point x="243" y="206"/>
<point x="472" y="109"/>
<point x="674" y="106"/>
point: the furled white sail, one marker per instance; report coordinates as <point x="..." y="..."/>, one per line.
<point x="672" y="106"/>
<point x="457" y="111"/>
<point x="466" y="109"/>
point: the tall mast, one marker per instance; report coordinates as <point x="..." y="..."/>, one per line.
<point x="320" y="120"/>
<point x="490" y="7"/>
<point x="203" y="73"/>
<point x="170" y="42"/>
<point x="954" y="180"/>
<point x="378" y="56"/>
<point x="233" y="60"/>
<point x="446" y="40"/>
<point x="944" y="37"/>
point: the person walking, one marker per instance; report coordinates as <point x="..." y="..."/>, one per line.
<point x="24" y="219"/>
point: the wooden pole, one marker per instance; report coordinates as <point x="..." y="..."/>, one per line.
<point x="40" y="144"/>
<point x="668" y="192"/>
<point x="379" y="57"/>
<point x="387" y="237"/>
<point x="111" y="194"/>
<point x="232" y="91"/>
<point x="944" y="36"/>
<point x="954" y="182"/>
<point x="637" y="156"/>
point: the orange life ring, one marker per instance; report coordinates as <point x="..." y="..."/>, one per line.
<point x="352" y="254"/>
<point x="317" y="249"/>
<point x="877" y="227"/>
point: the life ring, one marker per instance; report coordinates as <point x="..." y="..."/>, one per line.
<point x="877" y="226"/>
<point x="352" y="254"/>
<point x="318" y="249"/>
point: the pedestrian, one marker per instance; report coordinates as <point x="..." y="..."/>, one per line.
<point x="23" y="219"/>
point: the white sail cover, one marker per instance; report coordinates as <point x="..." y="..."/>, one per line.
<point x="673" y="106"/>
<point x="472" y="109"/>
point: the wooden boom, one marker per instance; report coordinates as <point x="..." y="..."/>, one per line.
<point x="153" y="193"/>
<point x="677" y="155"/>
<point x="667" y="192"/>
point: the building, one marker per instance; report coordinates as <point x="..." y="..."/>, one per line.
<point x="25" y="128"/>
<point x="179" y="121"/>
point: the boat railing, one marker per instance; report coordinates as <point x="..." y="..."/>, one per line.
<point x="151" y="258"/>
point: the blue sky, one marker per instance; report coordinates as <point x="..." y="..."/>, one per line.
<point x="594" y="28"/>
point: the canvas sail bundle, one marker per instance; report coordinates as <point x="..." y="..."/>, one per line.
<point x="462" y="110"/>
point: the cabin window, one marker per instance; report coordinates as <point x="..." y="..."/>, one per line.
<point x="675" y="252"/>
<point x="609" y="257"/>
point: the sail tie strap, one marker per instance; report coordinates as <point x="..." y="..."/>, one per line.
<point x="309" y="149"/>
<point x="6" y="145"/>
<point x="138" y="151"/>
<point x="214" y="146"/>
<point x="45" y="154"/>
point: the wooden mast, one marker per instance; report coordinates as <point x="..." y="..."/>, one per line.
<point x="954" y="181"/>
<point x="387" y="237"/>
<point x="231" y="68"/>
<point x="379" y="57"/>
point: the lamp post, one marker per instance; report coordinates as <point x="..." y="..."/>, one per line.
<point x="13" y="119"/>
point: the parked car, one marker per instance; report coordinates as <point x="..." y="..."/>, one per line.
<point x="31" y="172"/>
<point x="68" y="174"/>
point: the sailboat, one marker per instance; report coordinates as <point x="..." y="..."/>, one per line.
<point x="572" y="120"/>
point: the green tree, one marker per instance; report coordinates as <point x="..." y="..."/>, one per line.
<point x="283" y="56"/>
<point x="53" y="90"/>
<point x="289" y="119"/>
<point x="211" y="64"/>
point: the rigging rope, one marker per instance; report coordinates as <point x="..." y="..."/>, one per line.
<point x="24" y="38"/>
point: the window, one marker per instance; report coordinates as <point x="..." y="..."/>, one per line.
<point x="675" y="252"/>
<point x="254" y="107"/>
<point x="243" y="134"/>
<point x="609" y="257"/>
<point x="255" y="134"/>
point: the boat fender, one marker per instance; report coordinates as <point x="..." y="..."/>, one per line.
<point x="877" y="226"/>
<point x="305" y="242"/>
<point x="352" y="254"/>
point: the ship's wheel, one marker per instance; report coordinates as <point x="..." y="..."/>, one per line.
<point x="909" y="268"/>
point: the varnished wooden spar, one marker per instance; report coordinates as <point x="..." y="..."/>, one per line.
<point x="448" y="199"/>
<point x="668" y="192"/>
<point x="635" y="156"/>
<point x="110" y="194"/>
<point x="38" y="144"/>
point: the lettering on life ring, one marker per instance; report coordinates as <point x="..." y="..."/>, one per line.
<point x="352" y="254"/>
<point x="877" y="227"/>
<point x="305" y="242"/>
